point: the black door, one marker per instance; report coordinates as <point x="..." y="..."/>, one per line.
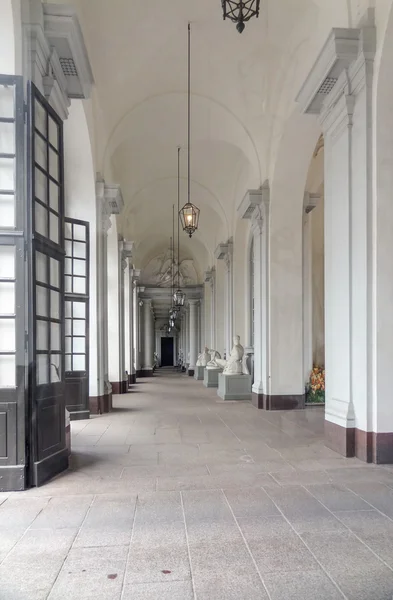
<point x="77" y="318"/>
<point x="167" y="351"/>
<point x="13" y="324"/>
<point x="48" y="452"/>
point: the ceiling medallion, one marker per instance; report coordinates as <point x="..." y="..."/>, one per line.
<point x="240" y="11"/>
<point x="189" y="214"/>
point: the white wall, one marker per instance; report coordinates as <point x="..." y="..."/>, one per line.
<point x="80" y="203"/>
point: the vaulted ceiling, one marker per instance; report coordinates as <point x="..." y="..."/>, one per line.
<point x="243" y="90"/>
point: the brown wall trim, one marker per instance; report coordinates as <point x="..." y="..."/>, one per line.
<point x="278" y="402"/>
<point x="100" y="405"/>
<point x="146" y="373"/>
<point x="131" y="379"/>
<point x="119" y="387"/>
<point x="340" y="439"/>
<point x="191" y="372"/>
<point x="365" y="445"/>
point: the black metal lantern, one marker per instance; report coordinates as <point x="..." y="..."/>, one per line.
<point x="179" y="298"/>
<point x="240" y="11"/>
<point x="189" y="216"/>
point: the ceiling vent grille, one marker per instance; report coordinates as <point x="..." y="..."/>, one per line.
<point x="327" y="85"/>
<point x="68" y="66"/>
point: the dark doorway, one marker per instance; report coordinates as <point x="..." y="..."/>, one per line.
<point x="167" y="352"/>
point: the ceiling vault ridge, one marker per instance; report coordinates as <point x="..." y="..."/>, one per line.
<point x="119" y="124"/>
<point x="129" y="205"/>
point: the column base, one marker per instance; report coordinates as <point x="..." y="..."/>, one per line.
<point x="146" y="373"/>
<point x="278" y="401"/>
<point x="367" y="446"/>
<point x="340" y="439"/>
<point x="100" y="405"/>
<point x="119" y="387"/>
<point x="131" y="379"/>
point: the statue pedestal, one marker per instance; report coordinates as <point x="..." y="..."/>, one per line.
<point x="210" y="378"/>
<point x="234" y="387"/>
<point x="199" y="373"/>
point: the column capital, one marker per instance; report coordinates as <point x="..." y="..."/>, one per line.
<point x="310" y="201"/>
<point x="109" y="202"/>
<point x="193" y="301"/>
<point x="224" y="251"/>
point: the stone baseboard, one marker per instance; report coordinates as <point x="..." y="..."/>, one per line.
<point x="146" y="373"/>
<point x="278" y="402"/>
<point x="119" y="387"/>
<point x="131" y="379"/>
<point x="340" y="439"/>
<point x="191" y="372"/>
<point x="100" y="405"/>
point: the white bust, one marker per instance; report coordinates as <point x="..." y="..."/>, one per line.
<point x="203" y="358"/>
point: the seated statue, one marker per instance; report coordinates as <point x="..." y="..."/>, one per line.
<point x="215" y="358"/>
<point x="235" y="365"/>
<point x="203" y="358"/>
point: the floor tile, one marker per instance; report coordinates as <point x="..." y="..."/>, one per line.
<point x="309" y="585"/>
<point x="275" y="546"/>
<point x="174" y="590"/>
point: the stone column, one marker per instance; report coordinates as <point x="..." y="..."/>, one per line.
<point x="140" y="330"/>
<point x="255" y="206"/>
<point x="131" y="323"/>
<point x="193" y="335"/>
<point x="148" y="337"/>
<point x="346" y="116"/>
<point x="109" y="201"/>
<point x="213" y="308"/>
<point x="225" y="252"/>
<point x="187" y="336"/>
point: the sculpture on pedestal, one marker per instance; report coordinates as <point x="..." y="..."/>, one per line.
<point x="212" y="364"/>
<point x="235" y="365"/>
<point x="203" y="358"/>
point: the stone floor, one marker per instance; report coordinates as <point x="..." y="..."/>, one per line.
<point x="175" y="496"/>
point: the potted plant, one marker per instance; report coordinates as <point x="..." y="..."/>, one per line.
<point x="315" y="389"/>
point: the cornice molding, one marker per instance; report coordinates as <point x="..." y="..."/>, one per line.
<point x="339" y="51"/>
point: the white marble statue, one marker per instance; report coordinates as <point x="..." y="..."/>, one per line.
<point x="212" y="364"/>
<point x="203" y="358"/>
<point x="236" y="364"/>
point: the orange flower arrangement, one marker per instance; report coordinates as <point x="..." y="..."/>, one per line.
<point x="316" y="385"/>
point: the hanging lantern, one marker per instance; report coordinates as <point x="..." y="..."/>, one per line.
<point x="179" y="298"/>
<point x="189" y="216"/>
<point x="171" y="323"/>
<point x="240" y="11"/>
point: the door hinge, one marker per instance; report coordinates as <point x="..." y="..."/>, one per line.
<point x="26" y="340"/>
<point x="25" y="111"/>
